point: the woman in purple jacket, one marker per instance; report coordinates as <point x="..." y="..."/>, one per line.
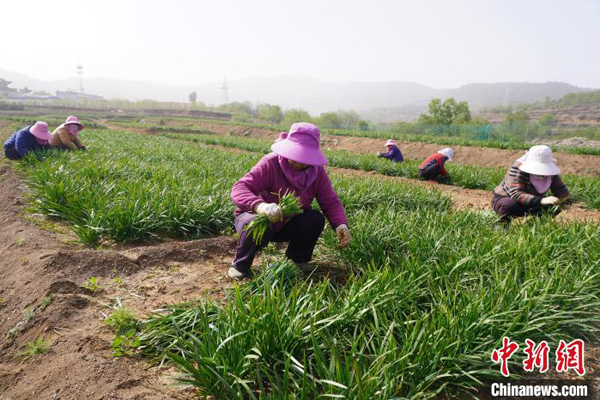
<point x="296" y="165"/>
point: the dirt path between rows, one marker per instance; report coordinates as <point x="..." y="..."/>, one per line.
<point x="37" y="263"/>
<point x="469" y="155"/>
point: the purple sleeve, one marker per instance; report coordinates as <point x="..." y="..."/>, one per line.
<point x="245" y="193"/>
<point x="389" y="154"/>
<point x="329" y="201"/>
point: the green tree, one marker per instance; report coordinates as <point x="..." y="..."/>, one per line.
<point x="461" y="113"/>
<point x="241" y="117"/>
<point x="446" y="113"/>
<point x="548" y="119"/>
<point x="270" y="113"/>
<point x="480" y="121"/>
<point x="238" y="107"/>
<point x="329" y="120"/>
<point x="517" y="117"/>
<point x="348" y="119"/>
<point x="363" y="125"/>
<point x="295" y="115"/>
<point x="192" y="97"/>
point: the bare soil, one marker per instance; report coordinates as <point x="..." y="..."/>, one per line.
<point x="35" y="263"/>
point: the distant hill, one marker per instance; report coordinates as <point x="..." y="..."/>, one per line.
<point x="378" y="101"/>
<point x="480" y="95"/>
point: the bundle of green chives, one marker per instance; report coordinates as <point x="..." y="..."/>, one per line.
<point x="290" y="206"/>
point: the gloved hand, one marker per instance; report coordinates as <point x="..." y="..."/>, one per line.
<point x="343" y="234"/>
<point x="271" y="211"/>
<point x="83" y="148"/>
<point x="550" y="201"/>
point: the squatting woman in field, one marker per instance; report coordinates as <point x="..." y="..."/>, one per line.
<point x="393" y="153"/>
<point x="433" y="170"/>
<point x="28" y="139"/>
<point x="525" y="184"/>
<point x="296" y="166"/>
<point x="65" y="136"/>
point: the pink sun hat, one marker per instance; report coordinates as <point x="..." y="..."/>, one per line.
<point x="73" y="120"/>
<point x="391" y="142"/>
<point x="282" y="136"/>
<point x="301" y="145"/>
<point x="40" y="131"/>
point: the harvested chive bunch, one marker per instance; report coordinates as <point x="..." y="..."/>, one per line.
<point x="290" y="206"/>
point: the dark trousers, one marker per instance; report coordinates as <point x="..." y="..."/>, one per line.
<point x="508" y="208"/>
<point x="302" y="231"/>
<point x="432" y="172"/>
<point x="12" y="154"/>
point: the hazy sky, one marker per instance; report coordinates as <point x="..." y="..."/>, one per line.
<point x="440" y="43"/>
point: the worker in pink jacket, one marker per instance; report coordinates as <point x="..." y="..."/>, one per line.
<point x="296" y="165"/>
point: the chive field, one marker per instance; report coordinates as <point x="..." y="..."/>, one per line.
<point x="428" y="292"/>
<point x="583" y="188"/>
<point x="446" y="135"/>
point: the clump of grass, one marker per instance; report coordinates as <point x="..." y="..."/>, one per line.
<point x="38" y="346"/>
<point x="122" y="320"/>
<point x="290" y="206"/>
<point x="93" y="285"/>
<point x="46" y="301"/>
<point x="125" y="344"/>
<point x="14" y="331"/>
<point x="28" y="314"/>
<point x="118" y="281"/>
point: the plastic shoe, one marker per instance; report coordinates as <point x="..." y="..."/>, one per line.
<point x="237" y="275"/>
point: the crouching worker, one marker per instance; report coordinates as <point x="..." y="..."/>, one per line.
<point x="65" y="136"/>
<point x="393" y="153"/>
<point x="295" y="166"/>
<point x="432" y="169"/>
<point x="523" y="188"/>
<point x="32" y="138"/>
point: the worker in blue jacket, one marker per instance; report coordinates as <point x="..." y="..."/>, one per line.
<point x="31" y="138"/>
<point x="393" y="152"/>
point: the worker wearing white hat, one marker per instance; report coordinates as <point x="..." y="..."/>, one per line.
<point x="393" y="153"/>
<point x="522" y="192"/>
<point x="433" y="170"/>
